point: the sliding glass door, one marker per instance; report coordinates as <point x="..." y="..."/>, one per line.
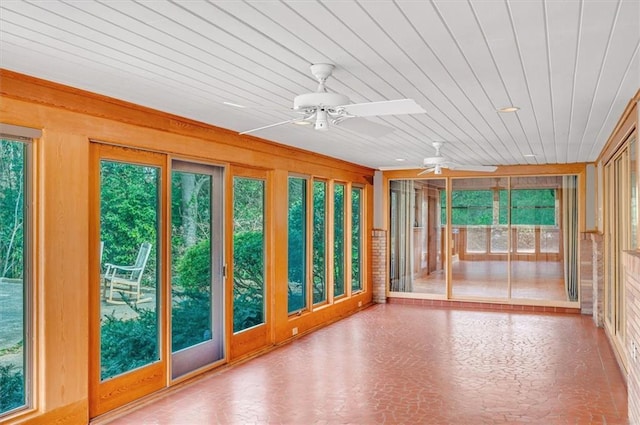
<point x="621" y="209"/>
<point x="509" y="238"/>
<point x="417" y="236"/>
<point x="480" y="238"/>
<point x="157" y="295"/>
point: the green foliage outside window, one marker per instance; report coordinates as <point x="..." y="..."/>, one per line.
<point x="476" y="207"/>
<point x="248" y="280"/>
<point x="297" y="236"/>
<point x="356" y="238"/>
<point x="338" y="240"/>
<point x="534" y="207"/>
<point x="319" y="241"/>
<point x="13" y="156"/>
<point x="248" y="253"/>
<point x="11" y="387"/>
<point x="128" y="212"/>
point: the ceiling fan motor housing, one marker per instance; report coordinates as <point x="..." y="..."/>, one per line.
<point x="317" y="100"/>
<point x="434" y="160"/>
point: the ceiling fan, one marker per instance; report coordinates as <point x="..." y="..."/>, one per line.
<point x="436" y="163"/>
<point x="322" y="108"/>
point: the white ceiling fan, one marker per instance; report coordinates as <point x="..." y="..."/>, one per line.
<point x="436" y="163"/>
<point x="322" y="108"/>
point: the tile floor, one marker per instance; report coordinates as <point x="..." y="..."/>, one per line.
<point x="402" y="364"/>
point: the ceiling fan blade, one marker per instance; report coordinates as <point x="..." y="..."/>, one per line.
<point x="387" y="107"/>
<point x="468" y="167"/>
<point x="427" y="171"/>
<point x="364" y="126"/>
<point x="253" y="130"/>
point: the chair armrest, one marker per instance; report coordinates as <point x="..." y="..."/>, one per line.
<point x="111" y="269"/>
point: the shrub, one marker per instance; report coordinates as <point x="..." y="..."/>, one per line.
<point x="128" y="343"/>
<point x="191" y="319"/>
<point x="11" y="388"/>
<point x="248" y="280"/>
<point x="194" y="268"/>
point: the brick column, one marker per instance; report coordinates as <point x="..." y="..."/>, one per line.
<point x="597" y="242"/>
<point x="592" y="276"/>
<point x="379" y="265"/>
<point x="586" y="274"/>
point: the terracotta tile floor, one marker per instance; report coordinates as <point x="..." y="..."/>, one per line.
<point x="402" y="364"/>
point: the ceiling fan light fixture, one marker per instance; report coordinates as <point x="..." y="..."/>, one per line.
<point x="437" y="169"/>
<point x="322" y="122"/>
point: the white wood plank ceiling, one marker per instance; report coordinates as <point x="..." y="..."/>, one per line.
<point x="570" y="66"/>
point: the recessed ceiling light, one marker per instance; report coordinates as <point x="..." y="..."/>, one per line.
<point x="400" y="159"/>
<point x="235" y="105"/>
<point x="508" y="109"/>
<point x="529" y="155"/>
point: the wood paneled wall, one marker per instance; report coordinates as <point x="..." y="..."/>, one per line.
<point x="70" y="119"/>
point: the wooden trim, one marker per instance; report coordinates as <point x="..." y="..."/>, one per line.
<point x="74" y="413"/>
<point x="627" y="123"/>
<point x="502" y="171"/>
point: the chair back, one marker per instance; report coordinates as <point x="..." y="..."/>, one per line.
<point x="141" y="260"/>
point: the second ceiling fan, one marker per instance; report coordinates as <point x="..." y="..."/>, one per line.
<point x="322" y="108"/>
<point x="436" y="163"/>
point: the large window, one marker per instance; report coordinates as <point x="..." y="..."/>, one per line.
<point x="297" y="237"/>
<point x="319" y="241"/>
<point x="338" y="240"/>
<point x="356" y="239"/>
<point x="129" y="223"/>
<point x="14" y="277"/>
<point x="248" y="253"/>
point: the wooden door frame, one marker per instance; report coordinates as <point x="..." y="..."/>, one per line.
<point x="118" y="391"/>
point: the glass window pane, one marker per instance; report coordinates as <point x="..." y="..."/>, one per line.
<point x="248" y="253"/>
<point x="533" y="206"/>
<point x="191" y="259"/>
<point x="129" y="220"/>
<point x="476" y="239"/>
<point x="537" y="259"/>
<point x="417" y="236"/>
<point x="500" y="239"/>
<point x="13" y="277"/>
<point x="526" y="239"/>
<point x="479" y="266"/>
<point x="319" y="241"/>
<point x="338" y="240"/>
<point x="356" y="239"/>
<point x="549" y="240"/>
<point x="297" y="236"/>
